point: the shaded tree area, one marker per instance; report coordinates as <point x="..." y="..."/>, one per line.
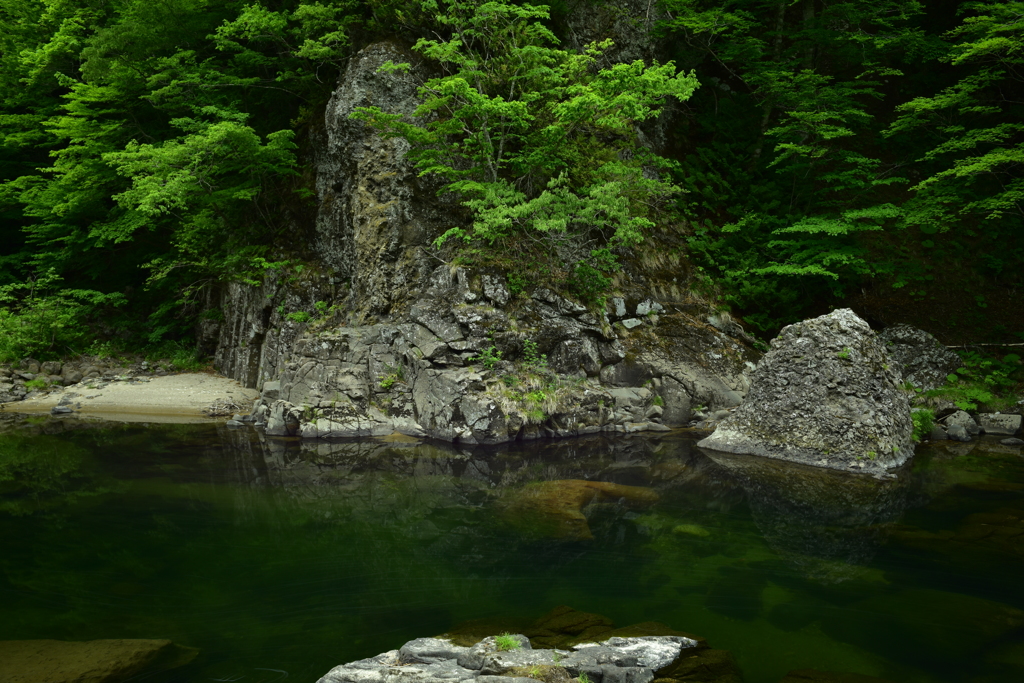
<point x="858" y="152"/>
<point x="835" y="152"/>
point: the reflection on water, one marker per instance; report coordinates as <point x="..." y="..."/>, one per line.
<point x="274" y="555"/>
<point x="827" y="524"/>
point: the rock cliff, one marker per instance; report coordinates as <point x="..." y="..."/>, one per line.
<point x="380" y="335"/>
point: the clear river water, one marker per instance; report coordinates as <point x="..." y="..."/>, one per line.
<point x="279" y="560"/>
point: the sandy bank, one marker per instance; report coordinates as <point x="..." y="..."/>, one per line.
<point x="174" y="398"/>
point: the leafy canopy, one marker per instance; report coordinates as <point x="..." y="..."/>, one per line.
<point x="535" y="139"/>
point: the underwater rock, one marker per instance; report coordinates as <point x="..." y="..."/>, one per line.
<point x="827" y="395"/>
<point x="938" y="625"/>
<point x="988" y="538"/>
<point x="564" y="626"/>
<point x="815" y="676"/>
<point x="554" y="509"/>
<point x="93" y="661"/>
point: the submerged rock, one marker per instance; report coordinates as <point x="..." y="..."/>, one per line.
<point x="93" y="661"/>
<point x="815" y="676"/>
<point x="932" y="625"/>
<point x="826" y="394"/>
<point x="554" y="509"/>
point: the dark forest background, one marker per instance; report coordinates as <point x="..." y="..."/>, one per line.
<point x="835" y="153"/>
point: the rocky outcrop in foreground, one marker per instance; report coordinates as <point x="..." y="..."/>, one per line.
<point x="511" y="659"/>
<point x="826" y="394"/>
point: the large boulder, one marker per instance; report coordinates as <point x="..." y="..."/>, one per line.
<point x="922" y="359"/>
<point x="826" y="394"/>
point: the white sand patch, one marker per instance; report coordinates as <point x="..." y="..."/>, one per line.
<point x="173" y="398"/>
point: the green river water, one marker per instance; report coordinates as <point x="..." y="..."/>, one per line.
<point x="279" y="560"/>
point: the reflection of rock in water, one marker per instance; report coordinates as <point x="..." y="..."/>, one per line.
<point x="447" y="504"/>
<point x="823" y="522"/>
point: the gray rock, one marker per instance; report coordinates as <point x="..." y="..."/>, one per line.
<point x="573" y="355"/>
<point x="271" y="391"/>
<point x="653" y="652"/>
<point x="495" y="289"/>
<point x="619" y="307"/>
<point x="363" y="671"/>
<point x="1000" y="424"/>
<point x="434" y="660"/>
<point x="923" y="360"/>
<point x="957" y="432"/>
<point x="724" y="322"/>
<point x="677" y="402"/>
<point x="1012" y="442"/>
<point x="61" y="410"/>
<point x="50" y="367"/>
<point x="826" y="395"/>
<point x="235" y="423"/>
<point x="485" y="678"/>
<point x="284" y="419"/>
<point x="648" y="306"/>
<point x="429" y="651"/>
<point x="478" y="654"/>
<point x="437" y="318"/>
<point x="937" y="433"/>
<point x="630" y="323"/>
<point x="964" y="420"/>
<point x="611" y="352"/>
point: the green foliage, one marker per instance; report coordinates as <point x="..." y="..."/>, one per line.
<point x="533" y="139"/>
<point x="533" y="360"/>
<point x="923" y="420"/>
<point x="37" y="384"/>
<point x="844" y="354"/>
<point x="299" y="316"/>
<point x="490" y="357"/>
<point x="395" y="374"/>
<point x="41" y="319"/>
<point x="583" y="677"/>
<point x="981" y="380"/>
<point x="821" y="161"/>
<point x="183" y="355"/>
<point x="979" y="132"/>
<point x="507" y="642"/>
<point x="131" y="153"/>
